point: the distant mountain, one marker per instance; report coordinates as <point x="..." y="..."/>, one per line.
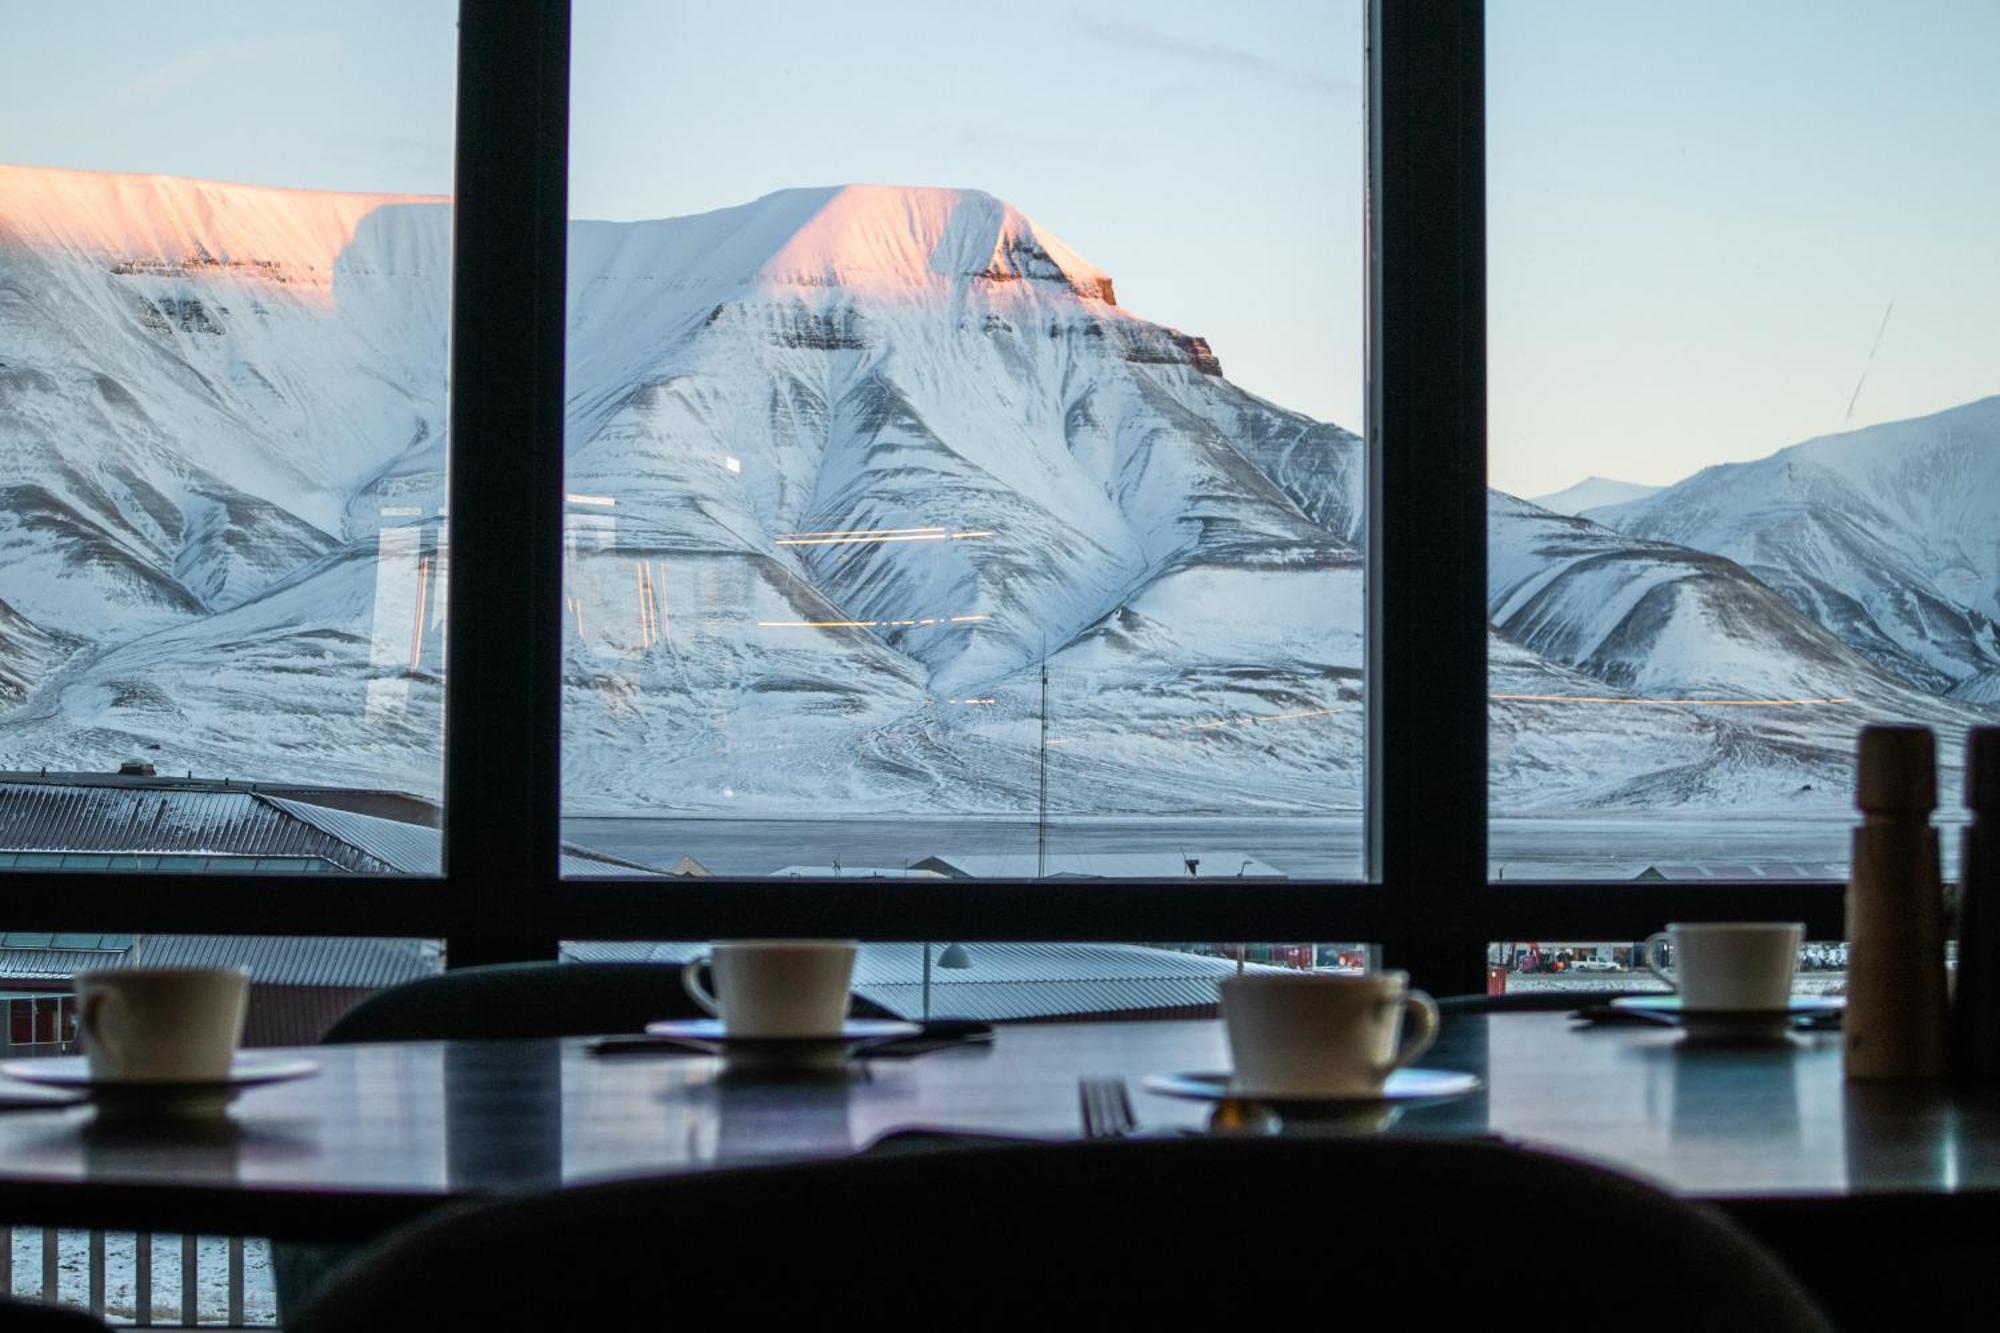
<point x="847" y="467"/>
<point x="917" y="410"/>
<point x="1630" y="647"/>
<point x="1888" y="536"/>
<point x="843" y="361"/>
<point x="206" y="391"/>
<point x="1592" y="493"/>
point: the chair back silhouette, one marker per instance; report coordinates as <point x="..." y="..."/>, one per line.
<point x="505" y="1000"/>
<point x="1121" y="1233"/>
<point x="527" y="1000"/>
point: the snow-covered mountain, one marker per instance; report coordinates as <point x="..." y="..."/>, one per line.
<point x="1888" y="536"/>
<point x="1592" y="493"/>
<point x="246" y="573"/>
<point x="916" y="414"/>
<point x="1630" y="647"/>
<point x="847" y="468"/>
<point x="201" y="386"/>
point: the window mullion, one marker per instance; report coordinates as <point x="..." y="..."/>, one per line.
<point x="1426" y="805"/>
<point x="503" y="699"/>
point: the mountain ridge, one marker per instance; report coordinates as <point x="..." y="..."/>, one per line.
<point x="847" y="466"/>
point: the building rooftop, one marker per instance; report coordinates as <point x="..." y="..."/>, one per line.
<point x="115" y="821"/>
<point x="279" y="960"/>
<point x="1006" y="982"/>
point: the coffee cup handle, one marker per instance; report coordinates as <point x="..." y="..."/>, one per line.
<point x="700" y="994"/>
<point x="1650" y="956"/>
<point x="89" y="1013"/>
<point x="1420" y="1028"/>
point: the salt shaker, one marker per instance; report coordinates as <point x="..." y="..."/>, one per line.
<point x="1975" y="1001"/>
<point x="1895" y="1021"/>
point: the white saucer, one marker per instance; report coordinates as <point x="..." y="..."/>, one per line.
<point x="710" y="1029"/>
<point x="856" y="1035"/>
<point x="1729" y="1023"/>
<point x="122" y="1098"/>
<point x="1405" y="1085"/>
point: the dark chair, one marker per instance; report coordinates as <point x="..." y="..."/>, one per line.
<point x="507" y="1000"/>
<point x="1131" y="1234"/>
<point x="527" y="1000"/>
<point x="19" y="1316"/>
<point x="1530" y="1002"/>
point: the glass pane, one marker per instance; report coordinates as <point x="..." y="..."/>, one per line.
<point x="1745" y="443"/>
<point x="1516" y="967"/>
<point x="959" y="484"/>
<point x="224" y="285"/>
<point x="298" y="988"/>
<point x="1033" y="981"/>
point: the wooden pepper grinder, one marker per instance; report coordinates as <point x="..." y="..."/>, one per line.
<point x="1975" y="1001"/>
<point x="1895" y="1021"/>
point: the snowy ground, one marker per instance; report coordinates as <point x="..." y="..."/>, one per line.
<point x="1575" y="847"/>
<point x="121" y="1271"/>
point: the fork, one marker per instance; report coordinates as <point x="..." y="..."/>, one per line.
<point x="1107" y="1108"/>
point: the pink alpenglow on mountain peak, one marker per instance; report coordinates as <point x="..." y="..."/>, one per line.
<point x="885" y="239"/>
<point x="170" y="224"/>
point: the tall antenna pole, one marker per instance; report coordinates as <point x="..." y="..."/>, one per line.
<point x="1042" y="807"/>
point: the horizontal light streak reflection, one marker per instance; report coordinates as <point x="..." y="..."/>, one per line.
<point x="1666" y="703"/>
<point x="870" y="624"/>
<point x="878" y="536"/>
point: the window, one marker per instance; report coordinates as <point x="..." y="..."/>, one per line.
<point x="606" y="657"/>
<point x="223" y="334"/>
<point x="958" y="484"/>
<point x="1743" y="427"/>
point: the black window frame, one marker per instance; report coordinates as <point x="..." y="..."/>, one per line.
<point x="1425" y="897"/>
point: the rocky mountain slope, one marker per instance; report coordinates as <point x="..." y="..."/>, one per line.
<point x="848" y="468"/>
<point x="1888" y="536"/>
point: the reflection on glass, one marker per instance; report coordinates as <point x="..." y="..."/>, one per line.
<point x="903" y="538"/>
<point x="222" y="437"/>
<point x="1515" y="967"/>
<point x="1745" y="449"/>
<point x="1031" y="981"/>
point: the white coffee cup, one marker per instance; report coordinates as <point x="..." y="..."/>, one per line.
<point x="776" y="988"/>
<point x="1314" y="1035"/>
<point x="162" y="1024"/>
<point x="1736" y="966"/>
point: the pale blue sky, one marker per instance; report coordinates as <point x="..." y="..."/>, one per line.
<point x="1699" y="210"/>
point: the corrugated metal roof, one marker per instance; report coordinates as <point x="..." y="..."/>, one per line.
<point x="1005" y="982"/>
<point x="577" y="860"/>
<point x="856" y="872"/>
<point x="276" y="960"/>
<point x="49" y="818"/>
<point x="179" y="818"/>
<point x="1018" y="1001"/>
<point x="614" y="951"/>
<point x="412" y="849"/>
<point x="354" y="963"/>
<point x="400" y="805"/>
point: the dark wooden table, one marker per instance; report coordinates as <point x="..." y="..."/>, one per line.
<point x="385" y="1132"/>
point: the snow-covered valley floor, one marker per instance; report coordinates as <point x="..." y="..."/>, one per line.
<point x="1593" y="846"/>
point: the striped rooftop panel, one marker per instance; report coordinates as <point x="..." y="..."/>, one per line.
<point x="273" y="960"/>
<point x="38" y="817"/>
<point x="413" y="849"/>
<point x="1006" y="982"/>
